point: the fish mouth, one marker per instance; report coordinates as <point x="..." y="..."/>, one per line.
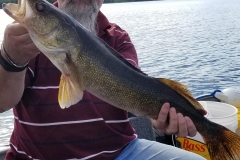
<point x="16" y="11"/>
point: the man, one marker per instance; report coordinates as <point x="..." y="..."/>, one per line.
<point x="91" y="129"/>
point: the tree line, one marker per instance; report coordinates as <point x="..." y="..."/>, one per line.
<point x="105" y="1"/>
<point x="117" y="1"/>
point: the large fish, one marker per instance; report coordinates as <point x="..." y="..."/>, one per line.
<point x="88" y="63"/>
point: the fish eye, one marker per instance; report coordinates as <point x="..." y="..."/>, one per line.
<point x="41" y="6"/>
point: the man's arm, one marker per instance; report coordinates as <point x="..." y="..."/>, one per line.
<point x="20" y="48"/>
<point x="12" y="86"/>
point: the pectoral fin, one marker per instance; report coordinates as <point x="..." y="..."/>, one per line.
<point x="69" y="92"/>
<point x="183" y="91"/>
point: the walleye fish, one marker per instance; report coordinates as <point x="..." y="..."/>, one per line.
<point x="88" y="63"/>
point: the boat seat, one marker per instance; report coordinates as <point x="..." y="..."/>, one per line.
<point x="3" y="151"/>
<point x="143" y="127"/>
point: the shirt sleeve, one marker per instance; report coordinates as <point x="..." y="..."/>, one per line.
<point x="29" y="78"/>
<point x="124" y="45"/>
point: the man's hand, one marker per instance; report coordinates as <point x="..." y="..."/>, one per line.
<point x="20" y="48"/>
<point x="170" y="122"/>
<point x="18" y="44"/>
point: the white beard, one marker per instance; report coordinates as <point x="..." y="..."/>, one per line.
<point x="85" y="12"/>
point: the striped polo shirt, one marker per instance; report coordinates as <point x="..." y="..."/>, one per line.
<point x="90" y="129"/>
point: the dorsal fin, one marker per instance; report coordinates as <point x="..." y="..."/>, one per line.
<point x="183" y="91"/>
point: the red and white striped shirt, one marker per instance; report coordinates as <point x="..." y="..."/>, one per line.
<point x="91" y="129"/>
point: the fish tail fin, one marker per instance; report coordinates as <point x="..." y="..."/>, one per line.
<point x="224" y="146"/>
<point x="69" y="92"/>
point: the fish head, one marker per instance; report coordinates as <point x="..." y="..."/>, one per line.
<point x="47" y="26"/>
<point x="54" y="33"/>
<point x="32" y="15"/>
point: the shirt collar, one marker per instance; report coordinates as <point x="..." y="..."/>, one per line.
<point x="102" y="21"/>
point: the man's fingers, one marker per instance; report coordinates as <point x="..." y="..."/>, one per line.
<point x="192" y="131"/>
<point x="24" y="39"/>
<point x="173" y="122"/>
<point x="162" y="121"/>
<point x="31" y="48"/>
<point x="18" y="44"/>
<point x="17" y="28"/>
<point x="19" y="33"/>
<point x="163" y="117"/>
<point x="182" y="126"/>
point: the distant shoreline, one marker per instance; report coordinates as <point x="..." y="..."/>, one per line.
<point x="105" y="1"/>
<point x="119" y="1"/>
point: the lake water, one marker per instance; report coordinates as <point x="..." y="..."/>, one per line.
<point x="196" y="42"/>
